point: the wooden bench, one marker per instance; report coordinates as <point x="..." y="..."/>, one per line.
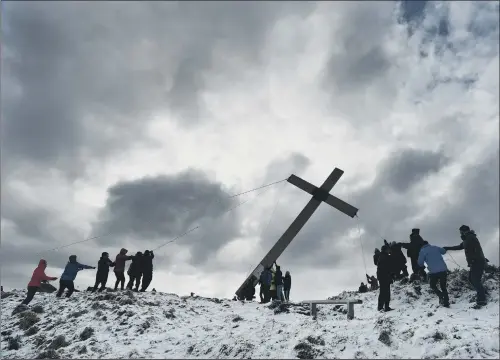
<point x="350" y="305"/>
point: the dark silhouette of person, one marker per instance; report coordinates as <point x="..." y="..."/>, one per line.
<point x="69" y="274"/>
<point x="134" y="271"/>
<point x="278" y="280"/>
<point x="476" y="261"/>
<point x="384" y="276"/>
<point x="265" y="284"/>
<point x="372" y="280"/>
<point x="147" y="269"/>
<point x="438" y="271"/>
<point x="413" y="250"/>
<point x="101" y="276"/>
<point x="362" y="288"/>
<point x="287" y="285"/>
<point x="119" y="269"/>
<point x="36" y="281"/>
<point x="399" y="260"/>
<point x="376" y="255"/>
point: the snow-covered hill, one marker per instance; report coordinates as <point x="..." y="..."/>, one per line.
<point x="157" y="325"/>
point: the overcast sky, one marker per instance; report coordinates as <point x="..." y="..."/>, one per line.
<point x="136" y="121"/>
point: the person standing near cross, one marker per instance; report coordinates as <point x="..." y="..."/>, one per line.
<point x="319" y="195"/>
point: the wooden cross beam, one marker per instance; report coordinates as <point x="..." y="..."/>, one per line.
<point x="319" y="195"/>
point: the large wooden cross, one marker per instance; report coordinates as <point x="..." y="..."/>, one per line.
<point x="319" y="195"/>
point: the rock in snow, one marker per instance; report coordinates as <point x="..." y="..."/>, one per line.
<point x="156" y="325"/>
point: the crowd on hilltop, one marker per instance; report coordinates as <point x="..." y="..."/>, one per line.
<point x="273" y="286"/>
<point x="391" y="265"/>
<point x="141" y="268"/>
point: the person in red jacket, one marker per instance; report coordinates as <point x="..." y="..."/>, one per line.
<point x="36" y="281"/>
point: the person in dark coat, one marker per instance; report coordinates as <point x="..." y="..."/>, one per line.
<point x="362" y="288"/>
<point x="384" y="272"/>
<point x="399" y="260"/>
<point x="372" y="280"/>
<point x="134" y="271"/>
<point x="119" y="269"/>
<point x="287" y="285"/>
<point x="101" y="276"/>
<point x="147" y="269"/>
<point x="278" y="280"/>
<point x="69" y="274"/>
<point x="476" y="260"/>
<point x="36" y="281"/>
<point x="413" y="250"/>
<point x="376" y="256"/>
<point x="265" y="284"/>
<point x="438" y="271"/>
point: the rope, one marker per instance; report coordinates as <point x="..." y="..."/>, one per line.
<point x="361" y="244"/>
<point x="374" y="231"/>
<point x="260" y="187"/>
<point x="100" y="236"/>
<point x="452" y="259"/>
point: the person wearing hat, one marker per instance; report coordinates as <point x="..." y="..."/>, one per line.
<point x="69" y="274"/>
<point x="413" y="250"/>
<point x="475" y="260"/>
<point x="101" y="276"/>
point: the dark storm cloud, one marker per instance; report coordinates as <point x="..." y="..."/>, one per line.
<point x="160" y="208"/>
<point x="406" y="167"/>
<point x="413" y="10"/>
<point x="84" y="77"/>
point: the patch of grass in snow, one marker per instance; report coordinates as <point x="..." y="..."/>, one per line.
<point x="28" y="319"/>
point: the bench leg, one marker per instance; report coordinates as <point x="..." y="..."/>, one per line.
<point x="350" y="311"/>
<point x="313" y="310"/>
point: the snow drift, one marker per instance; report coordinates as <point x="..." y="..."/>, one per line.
<point x="157" y="325"/>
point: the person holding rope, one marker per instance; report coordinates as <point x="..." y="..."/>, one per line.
<point x="69" y="274"/>
<point x="36" y="281"/>
<point x="372" y="281"/>
<point x="135" y="271"/>
<point x="119" y="270"/>
<point x="476" y="261"/>
<point x="101" y="276"/>
<point x="147" y="269"/>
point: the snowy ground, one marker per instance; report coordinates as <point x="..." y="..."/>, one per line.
<point x="157" y="325"/>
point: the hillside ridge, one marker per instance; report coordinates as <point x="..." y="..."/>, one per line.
<point x="158" y="325"/>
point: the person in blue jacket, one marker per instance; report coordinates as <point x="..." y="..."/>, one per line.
<point x="438" y="271"/>
<point x="265" y="285"/>
<point x="69" y="275"/>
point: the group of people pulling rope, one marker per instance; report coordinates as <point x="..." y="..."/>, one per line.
<point x="141" y="268"/>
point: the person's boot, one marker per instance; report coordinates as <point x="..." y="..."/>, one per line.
<point x="387" y="308"/>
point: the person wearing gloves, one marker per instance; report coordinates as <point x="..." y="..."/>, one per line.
<point x="36" y="281"/>
<point x="69" y="274"/>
